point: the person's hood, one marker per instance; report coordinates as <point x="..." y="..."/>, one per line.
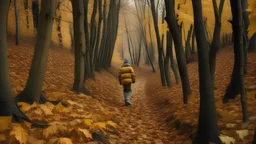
<point x="126" y="62"/>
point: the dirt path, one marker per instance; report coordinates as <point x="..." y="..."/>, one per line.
<point x="139" y="123"/>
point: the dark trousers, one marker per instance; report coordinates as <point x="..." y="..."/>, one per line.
<point x="127" y="87"/>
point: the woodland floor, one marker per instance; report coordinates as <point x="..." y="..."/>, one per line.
<point x="156" y="116"/>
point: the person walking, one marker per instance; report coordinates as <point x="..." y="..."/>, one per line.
<point x="126" y="78"/>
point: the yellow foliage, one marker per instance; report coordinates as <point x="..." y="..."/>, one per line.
<point x="112" y="124"/>
<point x="242" y="133"/>
<point x="88" y="123"/>
<point x="5" y="122"/>
<point x="100" y="125"/>
<point x="252" y="18"/>
<point x="62" y="140"/>
<point x="25" y="106"/>
<point x="46" y="109"/>
<point x="60" y="108"/>
<point x="86" y="133"/>
<point x="50" y="131"/>
<point x="226" y="139"/>
<point x="19" y="133"/>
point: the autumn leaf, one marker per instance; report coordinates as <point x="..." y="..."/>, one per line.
<point x="226" y="139"/>
<point x="100" y="125"/>
<point x="50" y="131"/>
<point x="5" y="122"/>
<point x="86" y="133"/>
<point x="111" y="124"/>
<point x="60" y="108"/>
<point x="242" y="133"/>
<point x="230" y="125"/>
<point x="88" y="123"/>
<point x="46" y="109"/>
<point x="63" y="140"/>
<point x="25" y="106"/>
<point x="19" y="134"/>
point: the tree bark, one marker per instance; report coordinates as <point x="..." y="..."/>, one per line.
<point x="33" y="88"/>
<point x="207" y="124"/>
<point x="172" y="23"/>
<point x="9" y="110"/>
<point x="26" y="10"/>
<point x="234" y="87"/>
<point x="167" y="61"/>
<point x="193" y="41"/>
<point x="216" y="37"/>
<point x="17" y="22"/>
<point x="35" y="12"/>
<point x="252" y="44"/>
<point x="96" y="49"/>
<point x="159" y="45"/>
<point x="188" y="47"/>
<point x="79" y="44"/>
<point x="238" y="19"/>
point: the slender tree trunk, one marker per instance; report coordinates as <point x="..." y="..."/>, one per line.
<point x="159" y="45"/>
<point x="58" y="21"/>
<point x="139" y="55"/>
<point x="26" y="11"/>
<point x="172" y="23"/>
<point x="252" y="44"/>
<point x="79" y="44"/>
<point x="216" y="37"/>
<point x="193" y="41"/>
<point x="33" y="88"/>
<point x="9" y="110"/>
<point x="207" y="124"/>
<point x="254" y="137"/>
<point x="167" y="61"/>
<point x="88" y="65"/>
<point x="172" y="60"/>
<point x="96" y="49"/>
<point x="188" y="47"/>
<point x="234" y="87"/>
<point x="246" y="24"/>
<point x="35" y="12"/>
<point x="238" y="19"/>
<point x="17" y="22"/>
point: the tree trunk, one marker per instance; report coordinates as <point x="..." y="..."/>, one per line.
<point x="96" y="49"/>
<point x="254" y="137"/>
<point x="172" y="23"/>
<point x="58" y="21"/>
<point x="188" y="47"/>
<point x="159" y="45"/>
<point x="238" y="19"/>
<point x="173" y="62"/>
<point x="25" y="2"/>
<point x="88" y="73"/>
<point x="252" y="44"/>
<point x="207" y="124"/>
<point x="139" y="55"/>
<point x="234" y="87"/>
<point x="35" y="12"/>
<point x="167" y="61"/>
<point x="17" y="22"/>
<point x="193" y="41"/>
<point x="9" y="110"/>
<point x="216" y="37"/>
<point x="33" y="88"/>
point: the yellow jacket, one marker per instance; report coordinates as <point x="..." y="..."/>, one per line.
<point x="126" y="75"/>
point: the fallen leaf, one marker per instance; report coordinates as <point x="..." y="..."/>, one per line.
<point x="242" y="133"/>
<point x="226" y="139"/>
<point x="64" y="141"/>
<point x="25" y="106"/>
<point x="86" y="133"/>
<point x="111" y="124"/>
<point x="230" y="125"/>
<point x="46" y="109"/>
<point x="60" y="108"/>
<point x="19" y="134"/>
<point x="50" y="131"/>
<point x="100" y="125"/>
<point x="88" y="123"/>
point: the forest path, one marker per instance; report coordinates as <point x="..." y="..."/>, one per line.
<point x="139" y="123"/>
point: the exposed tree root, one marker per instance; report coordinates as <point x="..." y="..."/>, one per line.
<point x="18" y="116"/>
<point x="43" y="100"/>
<point x="232" y="91"/>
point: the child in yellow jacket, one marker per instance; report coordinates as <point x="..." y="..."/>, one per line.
<point x="126" y="78"/>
